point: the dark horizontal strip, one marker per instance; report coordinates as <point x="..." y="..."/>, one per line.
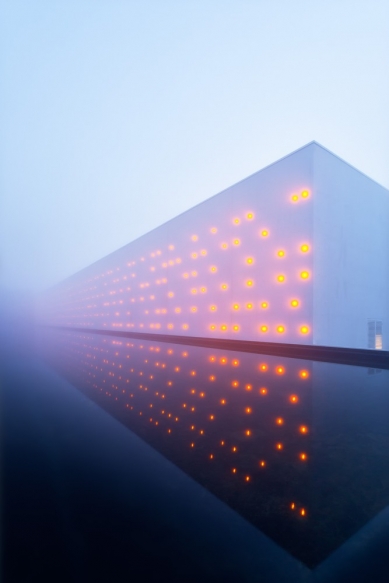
<point x="352" y="356"/>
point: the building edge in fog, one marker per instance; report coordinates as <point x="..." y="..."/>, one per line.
<point x="296" y="253"/>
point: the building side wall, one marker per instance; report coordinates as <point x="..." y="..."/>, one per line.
<point x="351" y="254"/>
<point x="212" y="271"/>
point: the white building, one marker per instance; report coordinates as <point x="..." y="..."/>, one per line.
<point x="296" y="253"/>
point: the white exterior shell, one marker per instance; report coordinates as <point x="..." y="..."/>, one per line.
<point x="150" y="286"/>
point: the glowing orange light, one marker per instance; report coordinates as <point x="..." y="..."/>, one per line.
<point x="203" y="290"/>
<point x="264" y="233"/>
<point x="212" y="327"/>
<point x="249" y="260"/>
<point x="280" y="370"/>
<point x="235" y="384"/>
<point x="294" y="303"/>
<point x="304" y="275"/>
<point x="262" y="463"/>
<point x="303" y="429"/>
<point x="295" y="197"/>
<point x="211" y="456"/>
<point x="213" y="308"/>
<point x="281" y="253"/>
<point x="194" y="237"/>
<point x="247" y="478"/>
<point x="212" y="378"/>
<point x="212" y="417"/>
<point x="304" y="329"/>
<point x="233" y="470"/>
<point x="293" y="399"/>
<point x="193" y="309"/>
<point x="303" y="457"/>
<point x="177" y="310"/>
<point x="279" y="421"/>
<point x="250" y="216"/>
<point x="305" y="194"/>
<point x="263" y="367"/>
<point x="192" y="445"/>
<point x="235" y="362"/>
<point x="280" y="329"/>
<point x="248" y="410"/>
<point x="281" y="277"/>
<point x="222" y="401"/>
<point x="222" y="443"/>
<point x="292" y="506"/>
<point x="236" y="241"/>
<point x="234" y="449"/>
<point x="263" y="391"/>
<point x="248" y="432"/>
<point x="279" y="446"/>
<point x="302" y="512"/>
<point x="248" y="387"/>
<point x="223" y="360"/>
<point x="304" y="374"/>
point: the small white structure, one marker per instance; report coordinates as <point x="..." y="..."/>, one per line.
<point x="296" y="253"/>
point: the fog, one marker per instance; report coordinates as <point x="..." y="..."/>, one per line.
<point x="117" y="116"/>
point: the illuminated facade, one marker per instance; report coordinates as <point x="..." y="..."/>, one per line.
<point x="296" y="253"/>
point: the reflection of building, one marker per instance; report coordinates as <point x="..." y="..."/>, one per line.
<point x="296" y="253"/>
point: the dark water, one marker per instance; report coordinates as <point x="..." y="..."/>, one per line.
<point x="285" y="465"/>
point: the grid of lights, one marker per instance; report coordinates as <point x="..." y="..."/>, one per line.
<point x="240" y="277"/>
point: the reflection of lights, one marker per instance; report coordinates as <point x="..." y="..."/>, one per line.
<point x="211" y="456"/>
<point x="233" y="470"/>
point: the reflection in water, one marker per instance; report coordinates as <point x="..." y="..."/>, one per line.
<point x="297" y="448"/>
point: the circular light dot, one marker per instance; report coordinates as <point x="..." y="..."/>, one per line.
<point x="194" y="237"/>
<point x="213" y="308"/>
<point x="250" y="216"/>
<point x="249" y="260"/>
<point x="303" y="429"/>
<point x="264" y="305"/>
<point x="235" y="328"/>
<point x="264" y="328"/>
<point x="223" y="327"/>
<point x="304" y="248"/>
<point x="212" y="327"/>
<point x="214" y="230"/>
<point x="294" y="303"/>
<point x="295" y="197"/>
<point x="305" y="194"/>
<point x="236" y="306"/>
<point x="280" y="278"/>
<point x="304" y="330"/>
<point x="213" y="268"/>
<point x="249" y="283"/>
<point x="264" y="233"/>
<point x="249" y="306"/>
<point x="236" y="221"/>
<point x="304" y="374"/>
<point x="281" y="253"/>
<point x="304" y="275"/>
<point x="293" y="399"/>
<point x="303" y="457"/>
<point x="224" y="286"/>
<point x="224" y="246"/>
<point x="236" y="241"/>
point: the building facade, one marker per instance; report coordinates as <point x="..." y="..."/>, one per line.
<point x="297" y="253"/>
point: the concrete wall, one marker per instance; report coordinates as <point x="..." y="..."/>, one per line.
<point x="351" y="253"/>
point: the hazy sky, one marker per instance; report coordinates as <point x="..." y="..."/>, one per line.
<point x="118" y="115"/>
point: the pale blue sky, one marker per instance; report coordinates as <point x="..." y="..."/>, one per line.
<point x="118" y="115"/>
